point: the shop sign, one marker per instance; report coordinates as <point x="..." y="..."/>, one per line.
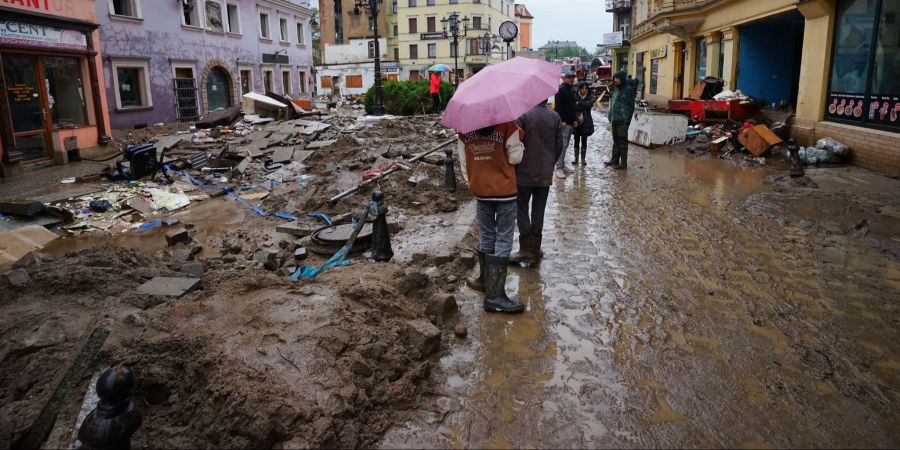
<point x="657" y="53"/>
<point x="613" y="39"/>
<point x="433" y="36"/>
<point x="21" y="33"/>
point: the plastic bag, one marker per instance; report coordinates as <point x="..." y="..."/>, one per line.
<point x="832" y="146"/>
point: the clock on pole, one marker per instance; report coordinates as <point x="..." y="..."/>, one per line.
<point x="508" y="32"/>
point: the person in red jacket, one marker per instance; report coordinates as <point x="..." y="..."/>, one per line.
<point x="435" y="92"/>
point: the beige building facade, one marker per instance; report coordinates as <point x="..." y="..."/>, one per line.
<point x="833" y="61"/>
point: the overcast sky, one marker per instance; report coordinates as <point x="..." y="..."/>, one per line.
<point x="584" y="21"/>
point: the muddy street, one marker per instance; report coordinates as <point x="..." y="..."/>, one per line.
<point x="687" y="302"/>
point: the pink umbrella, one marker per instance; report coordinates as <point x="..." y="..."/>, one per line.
<point x="501" y="93"/>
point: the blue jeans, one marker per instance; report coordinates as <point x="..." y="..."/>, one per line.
<point x="566" y="138"/>
<point x="497" y="221"/>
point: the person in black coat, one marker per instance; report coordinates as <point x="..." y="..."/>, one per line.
<point x="584" y="102"/>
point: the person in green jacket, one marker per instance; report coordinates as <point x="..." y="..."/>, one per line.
<point x="621" y="108"/>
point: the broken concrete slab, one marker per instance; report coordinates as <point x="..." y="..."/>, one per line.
<point x="242" y="166"/>
<point x="268" y="258"/>
<point x="17" y="278"/>
<point x="424" y="336"/>
<point x="21" y="207"/>
<point x="175" y="236"/>
<point x="194" y="269"/>
<point x="169" y="286"/>
<point x="17" y="243"/>
<point x="222" y="117"/>
<point x="140" y="205"/>
<point x="301" y="155"/>
<point x="283" y="154"/>
<point x="169" y="142"/>
<point x="320" y="144"/>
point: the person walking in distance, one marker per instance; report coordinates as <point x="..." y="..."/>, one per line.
<point x="564" y="102"/>
<point x="621" y="108"/>
<point x="584" y="102"/>
<point x="435" y="90"/>
<point x="534" y="175"/>
<point x="488" y="158"/>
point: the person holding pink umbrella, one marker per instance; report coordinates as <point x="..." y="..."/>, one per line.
<point x="488" y="158"/>
<point x="483" y="110"/>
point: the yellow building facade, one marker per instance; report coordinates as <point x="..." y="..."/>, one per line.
<point x="417" y="37"/>
<point x="781" y="51"/>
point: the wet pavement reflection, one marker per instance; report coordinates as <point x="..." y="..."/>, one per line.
<point x="668" y="314"/>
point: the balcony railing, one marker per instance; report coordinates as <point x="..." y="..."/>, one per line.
<point x="616" y="5"/>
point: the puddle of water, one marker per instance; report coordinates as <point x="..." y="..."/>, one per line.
<point x="725" y="181"/>
<point x="208" y="218"/>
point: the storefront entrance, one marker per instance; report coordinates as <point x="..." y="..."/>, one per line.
<point x="44" y="93"/>
<point x="28" y="106"/>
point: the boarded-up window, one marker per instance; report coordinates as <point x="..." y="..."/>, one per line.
<point x="354" y="81"/>
<point x="326" y="82"/>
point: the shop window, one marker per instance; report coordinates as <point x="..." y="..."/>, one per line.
<point x="190" y="16"/>
<point x="283" y="28"/>
<point x="413" y="51"/>
<point x="413" y="25"/>
<point x="234" y="18"/>
<point x="300" y="33"/>
<point x="864" y="87"/>
<point x="392" y="77"/>
<point x="264" y="26"/>
<point x="132" y="84"/>
<point x="246" y="81"/>
<point x="432" y="50"/>
<point x="65" y="89"/>
<point x="414" y="75"/>
<point x="700" y="60"/>
<point x="654" y="75"/>
<point x="371" y="49"/>
<point x="268" y="79"/>
<point x="125" y="8"/>
<point x="354" y="81"/>
<point x="326" y="82"/>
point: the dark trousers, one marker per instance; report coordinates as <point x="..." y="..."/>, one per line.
<point x="436" y="102"/>
<point x="531" y="224"/>
<point x="580" y="143"/>
<point x="620" y="144"/>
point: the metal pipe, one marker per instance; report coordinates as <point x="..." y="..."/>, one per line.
<point x="333" y="200"/>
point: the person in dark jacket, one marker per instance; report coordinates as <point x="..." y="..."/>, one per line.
<point x="564" y="103"/>
<point x="534" y="175"/>
<point x="584" y="103"/>
<point x="621" y="108"/>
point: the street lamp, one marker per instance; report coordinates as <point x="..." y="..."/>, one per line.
<point x="371" y="6"/>
<point x="452" y="23"/>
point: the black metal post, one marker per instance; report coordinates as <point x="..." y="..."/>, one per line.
<point x="456" y="59"/>
<point x="116" y="417"/>
<point x="449" y="171"/>
<point x="372" y="7"/>
<point x="796" y="165"/>
<point x="381" y="237"/>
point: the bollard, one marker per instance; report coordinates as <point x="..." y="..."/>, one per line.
<point x="116" y="418"/>
<point x="381" y="238"/>
<point x="796" y="165"/>
<point x="449" y="172"/>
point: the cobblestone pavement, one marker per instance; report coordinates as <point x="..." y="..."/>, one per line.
<point x="686" y="303"/>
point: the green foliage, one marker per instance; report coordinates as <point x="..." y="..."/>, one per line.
<point x="565" y="52"/>
<point x="407" y="98"/>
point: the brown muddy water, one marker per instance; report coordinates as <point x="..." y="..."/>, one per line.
<point x="686" y="303"/>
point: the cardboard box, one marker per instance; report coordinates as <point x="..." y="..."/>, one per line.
<point x="759" y="139"/>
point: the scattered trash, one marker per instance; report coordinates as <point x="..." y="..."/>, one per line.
<point x="100" y="205"/>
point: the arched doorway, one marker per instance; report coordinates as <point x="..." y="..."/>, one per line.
<point x="218" y="89"/>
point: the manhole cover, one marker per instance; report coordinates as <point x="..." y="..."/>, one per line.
<point x="339" y="234"/>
